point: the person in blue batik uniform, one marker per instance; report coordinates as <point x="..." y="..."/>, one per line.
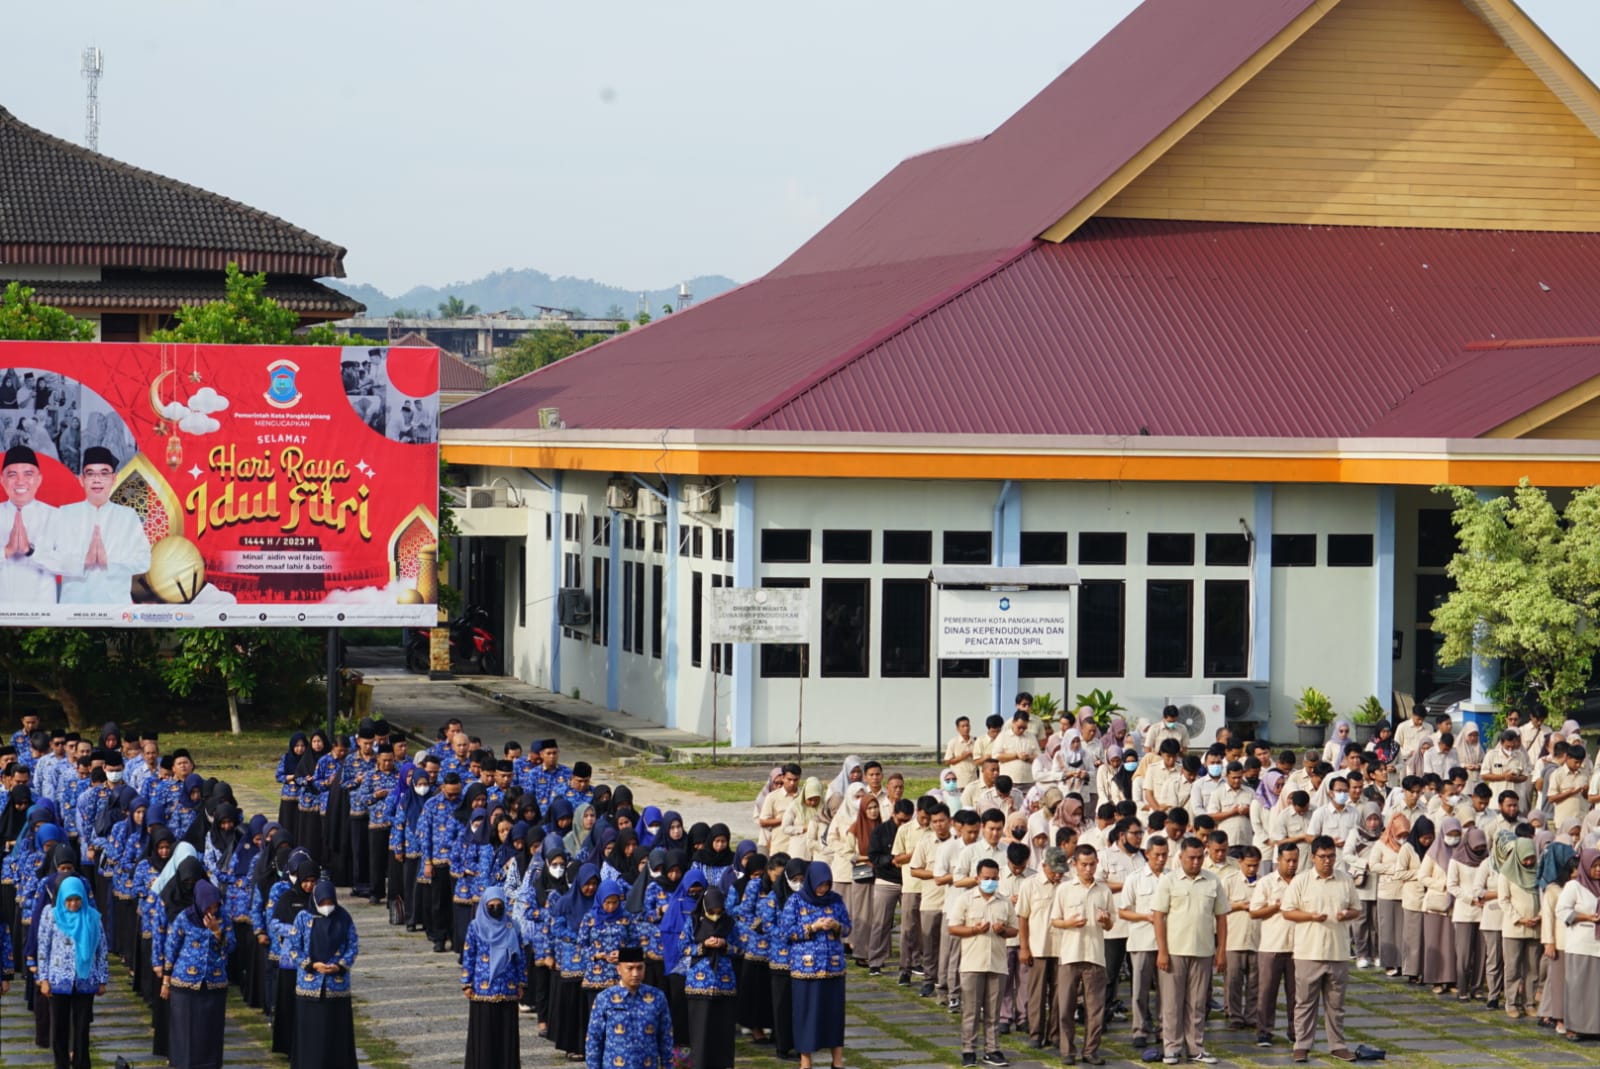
<point x="606" y="930"/>
<point x="72" y="970"/>
<point x="630" y="1027"/>
<point x="566" y="995"/>
<point x="709" y="982"/>
<point x="185" y="805"/>
<point x="289" y="793"/>
<point x="815" y="925"/>
<point x="492" y="975"/>
<point x="195" y="980"/>
<point x="291" y="902"/>
<point x="770" y="914"/>
<point x="325" y="947"/>
<point x="547" y="780"/>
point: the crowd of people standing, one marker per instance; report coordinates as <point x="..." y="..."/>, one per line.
<point x="1057" y="881"/>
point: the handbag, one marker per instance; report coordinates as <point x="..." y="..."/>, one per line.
<point x="1436" y="901"/>
<point x="862" y="872"/>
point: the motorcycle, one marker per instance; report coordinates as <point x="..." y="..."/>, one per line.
<point x="471" y="642"/>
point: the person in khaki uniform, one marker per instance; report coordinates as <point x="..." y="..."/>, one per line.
<point x="1016" y="748"/>
<point x="1274" y="944"/>
<point x="773" y="808"/>
<point x="1320" y="904"/>
<point x="1083" y="913"/>
<point x="1134" y="907"/>
<point x="1191" y="919"/>
<point x="1241" y="982"/>
<point x="1507" y="767"/>
<point x="930" y="904"/>
<point x="983" y="920"/>
<point x="1039" y="945"/>
<point x="1517" y="890"/>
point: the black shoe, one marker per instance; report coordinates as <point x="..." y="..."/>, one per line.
<point x="904" y="980"/>
<point x="969" y="1058"/>
<point x="1005" y="1029"/>
<point x="1492" y="1004"/>
<point x="875" y="971"/>
<point x="1141" y="1042"/>
<point x="1263" y="1039"/>
<point x="439" y="947"/>
<point x="927" y="991"/>
<point x="1093" y="1059"/>
<point x="995" y="1057"/>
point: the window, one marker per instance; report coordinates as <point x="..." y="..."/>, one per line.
<point x="1169" y="549"/>
<point x="908" y="547"/>
<point x="627" y="603"/>
<point x="786" y="547"/>
<point x="903" y="639"/>
<point x="638" y="606"/>
<point x="1436" y="538"/>
<point x="847" y="547"/>
<point x="1100" y="628"/>
<point x="721" y="652"/>
<point x="600" y="530"/>
<point x="716" y="543"/>
<point x="845" y="607"/>
<point x="119" y="327"/>
<point x="549" y="527"/>
<point x="1044" y="547"/>
<point x="727" y="547"/>
<point x="697" y="538"/>
<point x="1294" y="551"/>
<point x="697" y="617"/>
<point x="601" y="576"/>
<point x="785" y="659"/>
<point x="569" y="523"/>
<point x="964" y="668"/>
<point x="658" y="601"/>
<point x="1102" y="547"/>
<point x="1227" y="629"/>
<point x="658" y="538"/>
<point x="1055" y="669"/>
<point x="1227" y="551"/>
<point x="1350" y="551"/>
<point x="967" y="547"/>
<point x="1169" y="627"/>
<point x="683" y="541"/>
<point x="628" y="523"/>
<point x="571" y="578"/>
<point x="522" y="580"/>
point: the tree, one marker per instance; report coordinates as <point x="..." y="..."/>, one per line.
<point x="24" y="319"/>
<point x="405" y="312"/>
<point x="537" y="349"/>
<point x="453" y="307"/>
<point x="1527" y="588"/>
<point x="247" y="316"/>
<point x="614" y="311"/>
<point x="240" y="662"/>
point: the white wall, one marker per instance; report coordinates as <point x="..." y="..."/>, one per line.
<point x="1323" y="619"/>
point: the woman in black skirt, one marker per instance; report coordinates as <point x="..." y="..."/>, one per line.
<point x="281" y="928"/>
<point x="492" y="975"/>
<point x="308" y="818"/>
<point x="755" y="977"/>
<point x="272" y="867"/>
<point x="195" y="979"/>
<point x="325" y="948"/>
<point x="710" y="985"/>
<point x="770" y="913"/>
<point x="288" y="774"/>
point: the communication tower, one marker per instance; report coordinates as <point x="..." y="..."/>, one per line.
<point x="93" y="68"/>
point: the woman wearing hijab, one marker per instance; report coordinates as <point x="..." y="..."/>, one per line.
<point x="1466" y="913"/>
<point x="325" y="946"/>
<point x="577" y="836"/>
<point x="715" y="858"/>
<point x="471" y="861"/>
<point x="492" y="976"/>
<point x="1518" y="888"/>
<point x="770" y="914"/>
<point x="1554" y="870"/>
<point x="128" y="841"/>
<point x="651" y="829"/>
<point x="1438" y="935"/>
<point x="406" y="839"/>
<point x="709" y="983"/>
<point x="602" y="933"/>
<point x="1578" y="912"/>
<point x="660" y="882"/>
<point x="72" y="970"/>
<point x="846" y="855"/>
<point x="675" y="929"/>
<point x="1340" y="735"/>
<point x="147" y="907"/>
<point x="292" y="901"/>
<point x="308" y="817"/>
<point x="273" y="872"/>
<point x="195" y="979"/>
<point x="804" y="824"/>
<point x="850" y="773"/>
<point x="184" y="816"/>
<point x="1469" y="754"/>
<point x="754" y="980"/>
<point x="175" y="890"/>
<point x="815" y="924"/>
<point x="288" y="774"/>
<point x="1357" y="855"/>
<point x="568" y="1026"/>
<point x="1406" y="867"/>
<point x="531" y="907"/>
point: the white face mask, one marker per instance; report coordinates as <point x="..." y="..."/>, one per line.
<point x="654" y="829"/>
<point x="326" y="910"/>
<point x="556" y="871"/>
<point x="113" y="777"/>
<point x="795" y="885"/>
<point x="1341" y="797"/>
<point x="421" y="788"/>
<point x="1452" y="840"/>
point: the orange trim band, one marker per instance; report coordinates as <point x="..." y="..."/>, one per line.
<point x="1379" y="471"/>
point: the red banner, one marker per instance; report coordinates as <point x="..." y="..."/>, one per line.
<point x="218" y="485"/>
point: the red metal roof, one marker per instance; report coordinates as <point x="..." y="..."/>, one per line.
<point x="1231" y="330"/>
<point x="1011" y="186"/>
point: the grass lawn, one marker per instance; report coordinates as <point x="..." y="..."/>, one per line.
<point x="737" y="783"/>
<point x="248" y="759"/>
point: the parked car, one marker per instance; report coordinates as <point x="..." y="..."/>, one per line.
<point x="1587" y="714"/>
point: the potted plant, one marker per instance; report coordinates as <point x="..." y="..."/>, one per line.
<point x="1102" y="705"/>
<point x="1313" y="712"/>
<point x="1045" y="707"/>
<point x="1368" y="715"/>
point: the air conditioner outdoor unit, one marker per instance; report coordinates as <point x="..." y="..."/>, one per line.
<point x="701" y="499"/>
<point x="651" y="505"/>
<point x="488" y="497"/>
<point x="573" y="606"/>
<point x="1245" y="699"/>
<point x="621" y="495"/>
<point x="1202" y="714"/>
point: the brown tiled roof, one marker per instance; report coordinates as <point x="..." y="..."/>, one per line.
<point x="455" y="374"/>
<point x="63" y="204"/>
<point x="165" y="294"/>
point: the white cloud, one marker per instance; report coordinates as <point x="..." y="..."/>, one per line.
<point x="206" y="401"/>
<point x="198" y="423"/>
<point x="369" y="595"/>
<point x="174" y="410"/>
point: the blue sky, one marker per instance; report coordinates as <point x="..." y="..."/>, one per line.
<point x="636" y="144"/>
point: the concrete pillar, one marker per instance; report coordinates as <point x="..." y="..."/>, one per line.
<point x="669" y="623"/>
<point x="1383" y="599"/>
<point x="614" y="614"/>
<point x="1261" y="586"/>
<point x="1485" y="670"/>
<point x="1005" y="552"/>
<point x="558" y="550"/>
<point x="745" y="551"/>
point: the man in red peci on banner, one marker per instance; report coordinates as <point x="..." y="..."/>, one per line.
<point x="103" y="544"/>
<point x="31" y="563"/>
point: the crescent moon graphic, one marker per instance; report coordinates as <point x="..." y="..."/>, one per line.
<point x="155" y="393"/>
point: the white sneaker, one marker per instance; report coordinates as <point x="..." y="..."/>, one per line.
<point x="1364" y="963"/>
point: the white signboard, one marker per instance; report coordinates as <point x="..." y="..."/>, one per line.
<point x="995" y="623"/>
<point x="759" y="614"/>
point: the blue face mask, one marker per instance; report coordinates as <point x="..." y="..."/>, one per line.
<point x="1131" y="766"/>
<point x="1214" y="771"/>
<point x="988" y="887"/>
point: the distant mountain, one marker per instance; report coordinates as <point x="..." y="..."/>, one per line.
<point x="528" y="289"/>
